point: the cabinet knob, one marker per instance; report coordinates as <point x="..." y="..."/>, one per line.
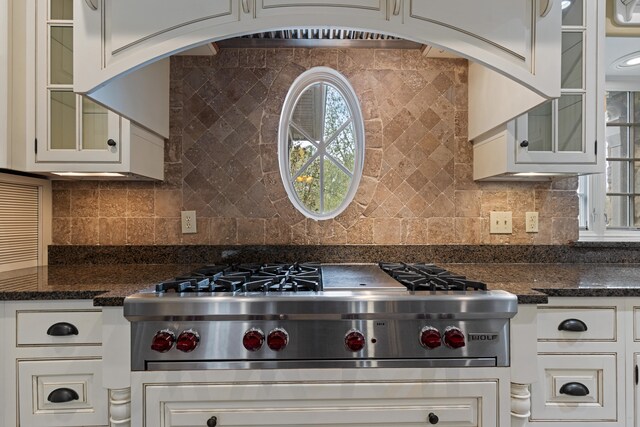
<point x="572" y="325"/>
<point x="62" y="329"/>
<point x="433" y="418"/>
<point x="212" y="422"/>
<point x="574" y="389"/>
<point x="62" y="395"/>
<point x="111" y="143"/>
<point x="524" y="143"/>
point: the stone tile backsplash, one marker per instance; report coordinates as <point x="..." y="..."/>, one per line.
<point x="221" y="161"/>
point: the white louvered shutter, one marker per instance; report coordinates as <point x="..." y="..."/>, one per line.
<point x="19" y="225"/>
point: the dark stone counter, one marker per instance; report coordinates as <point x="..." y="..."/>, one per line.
<point x="108" y="285"/>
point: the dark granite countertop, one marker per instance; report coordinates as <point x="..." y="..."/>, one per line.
<point x="108" y="285"/>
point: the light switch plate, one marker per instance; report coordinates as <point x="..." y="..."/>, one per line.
<point x="501" y="223"/>
<point x="188" y="222"/>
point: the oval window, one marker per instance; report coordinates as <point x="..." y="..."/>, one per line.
<point x="321" y="143"/>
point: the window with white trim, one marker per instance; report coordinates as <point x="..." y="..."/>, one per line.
<point x="321" y="143"/>
<point x="622" y="204"/>
<point x="610" y="202"/>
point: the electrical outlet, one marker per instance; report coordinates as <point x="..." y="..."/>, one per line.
<point x="531" y="222"/>
<point x="501" y="223"/>
<point x="188" y="222"/>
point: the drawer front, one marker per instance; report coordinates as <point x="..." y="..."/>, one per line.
<point x="372" y="404"/>
<point x="58" y="328"/>
<point x="599" y="322"/>
<point x="636" y="323"/>
<point x="61" y="393"/>
<point x="575" y="387"/>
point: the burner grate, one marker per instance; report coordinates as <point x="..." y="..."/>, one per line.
<point x="429" y="277"/>
<point x="278" y="277"/>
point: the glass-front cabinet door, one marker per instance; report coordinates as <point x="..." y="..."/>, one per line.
<point x="564" y="130"/>
<point x="69" y="127"/>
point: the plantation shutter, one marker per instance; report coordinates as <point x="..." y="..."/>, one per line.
<point x="19" y="216"/>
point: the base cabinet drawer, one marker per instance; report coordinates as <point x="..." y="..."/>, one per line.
<point x="58" y="327"/>
<point x="61" y="393"/>
<point x="348" y="404"/>
<point x="576" y="324"/>
<point x="575" y="387"/>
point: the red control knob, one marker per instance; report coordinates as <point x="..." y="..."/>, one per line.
<point x="188" y="341"/>
<point x="163" y="341"/>
<point x="277" y="339"/>
<point x="430" y="337"/>
<point x="354" y="340"/>
<point x="253" y="339"/>
<point x="453" y="337"/>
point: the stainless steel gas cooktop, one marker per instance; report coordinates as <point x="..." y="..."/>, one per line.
<point x="319" y="315"/>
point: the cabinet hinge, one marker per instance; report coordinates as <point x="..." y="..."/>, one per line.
<point x="35" y="147"/>
<point x="636" y="374"/>
<point x="596" y="147"/>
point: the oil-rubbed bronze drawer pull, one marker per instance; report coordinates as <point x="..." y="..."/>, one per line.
<point x="62" y="395"/>
<point x="212" y="422"/>
<point x="62" y="329"/>
<point x="574" y="389"/>
<point x="572" y="325"/>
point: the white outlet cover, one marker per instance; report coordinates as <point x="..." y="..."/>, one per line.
<point x="531" y="222"/>
<point x="188" y="222"/>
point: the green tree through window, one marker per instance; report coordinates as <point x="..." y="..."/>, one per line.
<point x="321" y="148"/>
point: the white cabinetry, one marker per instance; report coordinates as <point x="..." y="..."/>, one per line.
<point x="68" y="132"/>
<point x="557" y="137"/>
<point x="378" y="397"/>
<point x="581" y="359"/>
<point x="517" y="38"/>
<point x="53" y="368"/>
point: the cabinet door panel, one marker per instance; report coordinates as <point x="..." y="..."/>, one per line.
<point x="39" y="380"/>
<point x="281" y="7"/>
<point x="337" y="404"/>
<point x="128" y="24"/>
<point x="509" y="30"/>
<point x="550" y="402"/>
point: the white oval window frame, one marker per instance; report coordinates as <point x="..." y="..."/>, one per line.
<point x="302" y="83"/>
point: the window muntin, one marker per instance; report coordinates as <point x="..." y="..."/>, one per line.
<point x="622" y="202"/>
<point x="321" y="143"/>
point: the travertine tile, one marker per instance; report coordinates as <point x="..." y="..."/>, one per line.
<point x="468" y="231"/>
<point x="112" y="231"/>
<point x="140" y="203"/>
<point x="84" y="203"/>
<point x="140" y="231"/>
<point x="61" y="200"/>
<point x="221" y="160"/>
<point x="84" y="231"/>
<point x="112" y="203"/>
<point x="61" y="231"/>
<point x="387" y="231"/>
<point x="441" y="230"/>
<point x="467" y="203"/>
<point x="167" y="231"/>
<point x="250" y="231"/>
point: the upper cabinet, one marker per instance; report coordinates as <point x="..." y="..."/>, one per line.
<point x="559" y="136"/>
<point x="519" y="39"/>
<point x="56" y="130"/>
